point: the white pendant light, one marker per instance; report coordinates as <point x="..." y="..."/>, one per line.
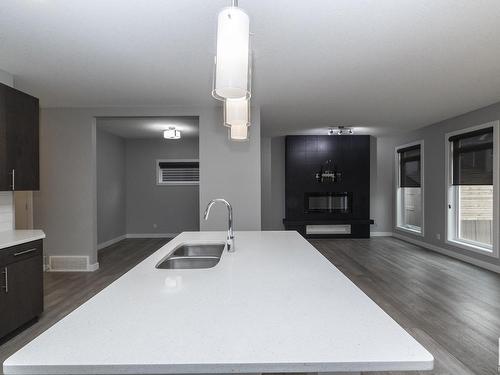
<point x="231" y="80"/>
<point x="172" y="133"/>
<point x="236" y="112"/>
<point x="238" y="132"/>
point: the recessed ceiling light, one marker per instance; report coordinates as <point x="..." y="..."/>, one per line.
<point x="172" y="133"/>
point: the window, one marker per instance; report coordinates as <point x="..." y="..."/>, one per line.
<point x="409" y="171"/>
<point x="178" y="172"/>
<point x="471" y="176"/>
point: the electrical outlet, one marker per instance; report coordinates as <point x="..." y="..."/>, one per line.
<point x="438" y="236"/>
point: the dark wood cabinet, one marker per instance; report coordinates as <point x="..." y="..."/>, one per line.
<point x="19" y="132"/>
<point x="21" y="285"/>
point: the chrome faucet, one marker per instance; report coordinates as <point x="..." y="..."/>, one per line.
<point x="230" y="235"/>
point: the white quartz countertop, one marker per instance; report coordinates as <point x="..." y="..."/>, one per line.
<point x="274" y="305"/>
<point x="10" y="238"/>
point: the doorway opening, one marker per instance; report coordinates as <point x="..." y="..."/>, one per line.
<point x="147" y="177"/>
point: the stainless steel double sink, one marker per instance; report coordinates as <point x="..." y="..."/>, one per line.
<point x="192" y="256"/>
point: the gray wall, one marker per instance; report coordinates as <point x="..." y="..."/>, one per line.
<point x="230" y="170"/>
<point x="6" y="78"/>
<point x="381" y="185"/>
<point x="159" y="209"/>
<point x="65" y="207"/>
<point x="111" y="191"/>
<point x="434" y="176"/>
<point x="265" y="188"/>
<point x="273" y="182"/>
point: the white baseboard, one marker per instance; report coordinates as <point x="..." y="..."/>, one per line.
<point x="452" y="254"/>
<point x="93" y="267"/>
<point x="380" y="234"/>
<point x="135" y="235"/>
<point x="111" y="242"/>
<point x="69" y="263"/>
<point x="151" y="235"/>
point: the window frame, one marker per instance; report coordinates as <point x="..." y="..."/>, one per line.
<point x="177" y="183"/>
<point x="399" y="198"/>
<point x="452" y="222"/>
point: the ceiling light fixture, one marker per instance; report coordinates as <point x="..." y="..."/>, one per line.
<point x="232" y="73"/>
<point x="233" y="70"/>
<point x="172" y="133"/>
<point x="238" y="132"/>
<point x="237" y="112"/>
<point x="340" y="130"/>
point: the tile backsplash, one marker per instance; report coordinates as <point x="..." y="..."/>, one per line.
<point x="6" y="210"/>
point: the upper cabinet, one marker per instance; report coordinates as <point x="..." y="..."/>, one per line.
<point x="19" y="155"/>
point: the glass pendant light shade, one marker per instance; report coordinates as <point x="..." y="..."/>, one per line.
<point x="238" y="132"/>
<point x="237" y="112"/>
<point x="231" y="80"/>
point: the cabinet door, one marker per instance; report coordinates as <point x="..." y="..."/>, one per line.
<point x="5" y="326"/>
<point x="22" y="136"/>
<point x="23" y="301"/>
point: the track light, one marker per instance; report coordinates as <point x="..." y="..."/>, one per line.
<point x="340" y="130"/>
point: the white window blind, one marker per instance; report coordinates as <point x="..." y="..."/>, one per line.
<point x="178" y="172"/>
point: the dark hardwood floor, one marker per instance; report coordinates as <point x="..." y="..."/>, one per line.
<point x="451" y="307"/>
<point x="65" y="291"/>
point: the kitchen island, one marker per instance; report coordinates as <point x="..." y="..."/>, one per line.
<point x="274" y="305"/>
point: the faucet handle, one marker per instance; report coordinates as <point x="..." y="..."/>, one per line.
<point x="230" y="244"/>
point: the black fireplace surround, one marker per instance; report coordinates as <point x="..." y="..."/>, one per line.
<point x="343" y="200"/>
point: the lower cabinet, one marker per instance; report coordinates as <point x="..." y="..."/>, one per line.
<point x="21" y="285"/>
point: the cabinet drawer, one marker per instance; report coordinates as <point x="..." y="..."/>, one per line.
<point x="20" y="252"/>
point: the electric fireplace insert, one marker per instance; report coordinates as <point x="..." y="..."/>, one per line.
<point x="330" y="202"/>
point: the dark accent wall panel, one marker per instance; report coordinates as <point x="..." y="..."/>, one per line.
<point x="304" y="157"/>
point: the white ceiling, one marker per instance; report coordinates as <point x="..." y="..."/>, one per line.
<point x="148" y="127"/>
<point x="382" y="65"/>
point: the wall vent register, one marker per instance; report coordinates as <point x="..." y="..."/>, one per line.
<point x="178" y="172"/>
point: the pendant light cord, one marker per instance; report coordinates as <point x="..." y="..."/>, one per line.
<point x="234" y="3"/>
